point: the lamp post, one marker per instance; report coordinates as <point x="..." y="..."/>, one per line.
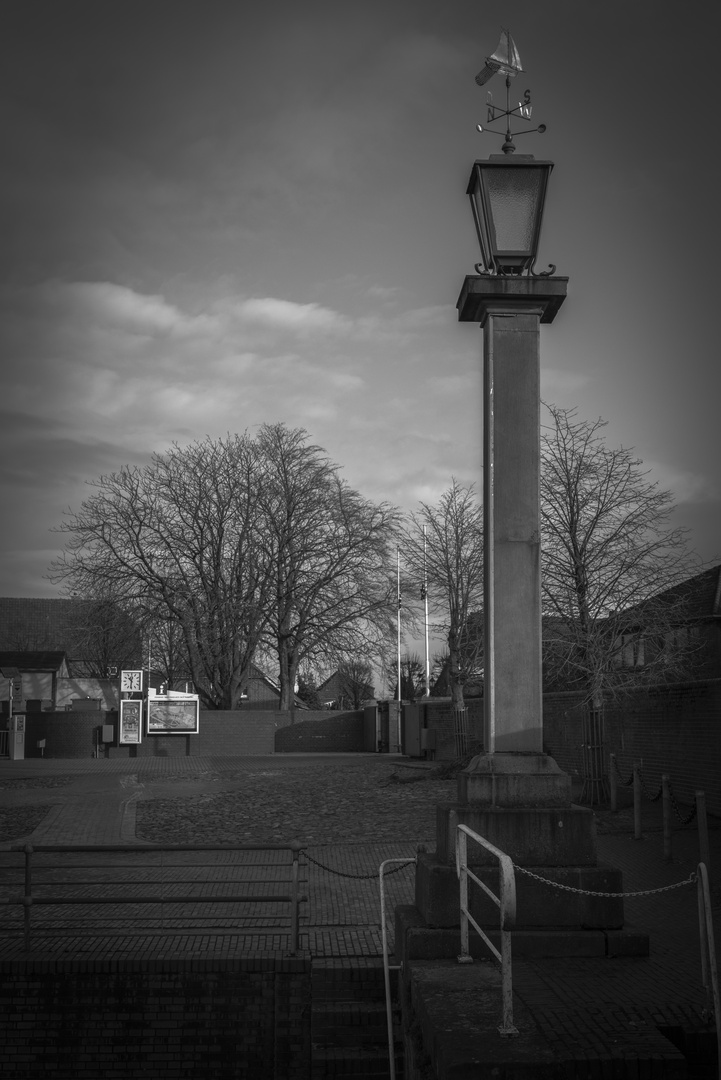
<point x="513" y="794"/>
<point x="510" y="300"/>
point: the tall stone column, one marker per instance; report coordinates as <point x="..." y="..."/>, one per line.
<point x="512" y="541"/>
<point x="513" y="770"/>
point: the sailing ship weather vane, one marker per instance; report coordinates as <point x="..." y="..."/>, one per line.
<point x="506" y="61"/>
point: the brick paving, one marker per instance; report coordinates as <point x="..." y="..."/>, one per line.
<point x="351" y="813"/>
<point x="206" y="800"/>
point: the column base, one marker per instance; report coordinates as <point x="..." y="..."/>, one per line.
<point x="514" y="780"/>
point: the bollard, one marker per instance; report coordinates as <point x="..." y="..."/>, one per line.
<point x="666" y="795"/>
<point x="612" y="781"/>
<point x="27" y="898"/>
<point x="703" y="844"/>
<point x="636" y="802"/>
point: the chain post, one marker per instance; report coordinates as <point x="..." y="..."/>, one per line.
<point x="295" y="901"/>
<point x="636" y="802"/>
<point x="27" y="898"/>
<point x="703" y="843"/>
<point x="666" y="807"/>
<point x="614" y="787"/>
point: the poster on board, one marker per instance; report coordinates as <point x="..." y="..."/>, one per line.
<point x="131" y="721"/>
<point x="173" y="715"/>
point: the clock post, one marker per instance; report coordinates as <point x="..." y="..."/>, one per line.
<point x="130" y="715"/>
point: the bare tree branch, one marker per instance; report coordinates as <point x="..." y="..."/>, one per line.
<point x="453" y="560"/>
<point x="608" y="551"/>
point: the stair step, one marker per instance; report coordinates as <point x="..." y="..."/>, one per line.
<point x="359" y="1064"/>
<point x="341" y="1021"/>
<point x="351" y="985"/>
<point x="348" y="1021"/>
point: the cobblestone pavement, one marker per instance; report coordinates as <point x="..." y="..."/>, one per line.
<point x="350" y="812"/>
<point x="318" y="802"/>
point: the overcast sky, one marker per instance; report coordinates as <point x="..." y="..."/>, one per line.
<point x="218" y="214"/>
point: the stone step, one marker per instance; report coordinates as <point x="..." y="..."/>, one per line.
<point x="417" y="941"/>
<point x="457" y="1009"/>
<point x="360" y="1064"/>
<point x="349" y="1033"/>
<point x="349" y="1023"/>
<point x="345" y="981"/>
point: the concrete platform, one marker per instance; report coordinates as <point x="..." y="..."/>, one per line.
<point x="454" y="1032"/>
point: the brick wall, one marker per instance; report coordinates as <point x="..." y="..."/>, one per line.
<point x="76" y="734"/>
<point x="66" y="734"/>
<point x="214" y="1019"/>
<point x="222" y="734"/>
<point x="674" y="730"/>
<point x="322" y="732"/>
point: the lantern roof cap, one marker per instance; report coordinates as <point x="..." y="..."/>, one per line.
<point x="505" y="160"/>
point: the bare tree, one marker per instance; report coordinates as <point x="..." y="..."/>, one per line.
<point x="247" y="547"/>
<point x="450" y="552"/>
<point x="180" y="538"/>
<point x="412" y="678"/>
<point x="332" y="553"/>
<point x="166" y="651"/>
<point x="102" y="634"/>
<point x="608" y="552"/>
<point x="355" y="683"/>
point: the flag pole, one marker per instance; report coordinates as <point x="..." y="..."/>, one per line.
<point x="427" y="676"/>
<point x="398" y="649"/>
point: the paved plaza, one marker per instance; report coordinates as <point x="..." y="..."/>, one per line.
<point x="121" y="803"/>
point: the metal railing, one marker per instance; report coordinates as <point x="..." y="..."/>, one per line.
<point x="174" y="885"/>
<point x="709" y="972"/>
<point x="386" y="965"/>
<point x="505" y="901"/>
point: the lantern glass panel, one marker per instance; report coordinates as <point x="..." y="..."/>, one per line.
<point x="514" y="195"/>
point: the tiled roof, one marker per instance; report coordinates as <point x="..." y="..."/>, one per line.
<point x="696" y="598"/>
<point x="34" y="623"/>
<point x="33" y="661"/>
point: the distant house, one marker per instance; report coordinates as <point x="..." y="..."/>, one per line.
<point x="691" y="620"/>
<point x="691" y="628"/>
<point x="95" y="635"/>
<point x="40" y="672"/>
<point x="347" y="688"/>
<point x="262" y="692"/>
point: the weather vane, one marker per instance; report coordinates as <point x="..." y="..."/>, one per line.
<point x="506" y="61"/>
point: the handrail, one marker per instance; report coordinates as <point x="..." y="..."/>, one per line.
<point x="506" y="902"/>
<point x="29" y="901"/>
<point x="386" y="966"/>
<point x="709" y="972"/>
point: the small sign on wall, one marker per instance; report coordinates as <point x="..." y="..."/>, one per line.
<point x="130" y="721"/>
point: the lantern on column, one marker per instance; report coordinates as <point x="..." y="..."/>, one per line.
<point x="507" y="197"/>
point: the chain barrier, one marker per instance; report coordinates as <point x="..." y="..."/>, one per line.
<point x="690" y="880"/>
<point x="685" y="820"/>
<point x="624" y="783"/>
<point x="644" y="789"/>
<point x="346" y="874"/>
